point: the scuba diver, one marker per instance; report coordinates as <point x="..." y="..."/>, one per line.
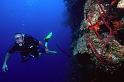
<point x="28" y="47"/>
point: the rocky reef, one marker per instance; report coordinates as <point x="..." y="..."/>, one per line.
<point x="98" y="41"/>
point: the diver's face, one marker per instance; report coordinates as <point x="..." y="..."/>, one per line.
<point x="19" y="38"/>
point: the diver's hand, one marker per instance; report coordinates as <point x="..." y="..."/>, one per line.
<point x="5" y="68"/>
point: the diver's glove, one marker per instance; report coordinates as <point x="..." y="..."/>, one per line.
<point x="5" y="68"/>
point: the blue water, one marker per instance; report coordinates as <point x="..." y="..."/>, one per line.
<point x="37" y="18"/>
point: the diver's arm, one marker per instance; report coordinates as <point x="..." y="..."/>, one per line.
<point x="5" y="67"/>
<point x="6" y="57"/>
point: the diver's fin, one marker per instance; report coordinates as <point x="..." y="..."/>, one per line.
<point x="54" y="52"/>
<point x="48" y="37"/>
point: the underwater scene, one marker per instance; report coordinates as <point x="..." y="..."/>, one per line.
<point x="62" y="40"/>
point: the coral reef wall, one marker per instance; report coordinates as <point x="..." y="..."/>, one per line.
<point x="98" y="41"/>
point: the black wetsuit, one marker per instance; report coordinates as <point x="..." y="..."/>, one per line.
<point x="29" y="48"/>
